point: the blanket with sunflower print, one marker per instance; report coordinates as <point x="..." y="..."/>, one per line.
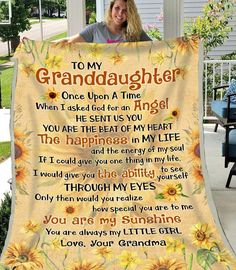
<point x="108" y="167"/>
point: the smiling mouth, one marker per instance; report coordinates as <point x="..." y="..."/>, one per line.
<point x="119" y="19"/>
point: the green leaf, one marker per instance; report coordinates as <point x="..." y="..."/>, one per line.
<point x="168" y="118"/>
<point x="160" y="196"/>
<point x="179" y="186"/>
<point x="205" y="258"/>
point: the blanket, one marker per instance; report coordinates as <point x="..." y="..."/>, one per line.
<point x="108" y="160"/>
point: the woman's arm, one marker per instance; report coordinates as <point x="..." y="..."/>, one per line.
<point x="72" y="39"/>
<point x="76" y="38"/>
<point x="85" y="35"/>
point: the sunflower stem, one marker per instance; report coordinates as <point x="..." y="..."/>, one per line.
<point x="175" y="58"/>
<point x="37" y="243"/>
<point x="34" y="48"/>
<point x="44" y="253"/>
<point x="104" y="260"/>
<point x="184" y="253"/>
<point x="146" y="254"/>
<point x="64" y="260"/>
<point x="191" y="261"/>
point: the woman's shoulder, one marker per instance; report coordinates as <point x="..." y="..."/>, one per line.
<point x="95" y="32"/>
<point x="92" y="28"/>
<point x="97" y="25"/>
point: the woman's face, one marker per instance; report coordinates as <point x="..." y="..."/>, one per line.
<point x="119" y="12"/>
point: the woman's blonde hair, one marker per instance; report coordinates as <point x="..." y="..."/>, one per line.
<point x="132" y="28"/>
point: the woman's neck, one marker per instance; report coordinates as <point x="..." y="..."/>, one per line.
<point x="114" y="29"/>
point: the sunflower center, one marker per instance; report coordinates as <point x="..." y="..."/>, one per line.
<point x="23" y="258"/>
<point x="131" y="260"/>
<point x="200" y="235"/>
<point x="52" y="94"/>
<point x="197" y="150"/>
<point x="163" y="268"/>
<point x="70" y="210"/>
<point x="174" y="113"/>
<point x="172" y="191"/>
<point x="18" y="151"/>
<point x="31" y="227"/>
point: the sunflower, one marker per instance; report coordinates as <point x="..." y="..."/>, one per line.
<point x="197" y="173"/>
<point x="53" y="61"/>
<point x="52" y="95"/>
<point x="225" y="257"/>
<point x="164" y="263"/>
<point x="174" y="245"/>
<point x="158" y="58"/>
<point x="85" y="265"/>
<point x="185" y="44"/>
<point x="129" y="259"/>
<point x="31" y="227"/>
<point x="194" y="150"/>
<point x="70" y="209"/>
<point x="95" y="50"/>
<point x="103" y="252"/>
<point x="173" y="115"/>
<point x="55" y="243"/>
<point x="18" y="134"/>
<point x="183" y="72"/>
<point x="21" y="257"/>
<point x="21" y="152"/>
<point x="27" y="68"/>
<point x="21" y="173"/>
<point x="172" y="191"/>
<point x="117" y="58"/>
<point x="64" y="44"/>
<point x="195" y="134"/>
<point x="202" y="235"/>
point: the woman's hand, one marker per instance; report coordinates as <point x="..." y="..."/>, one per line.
<point x="70" y="40"/>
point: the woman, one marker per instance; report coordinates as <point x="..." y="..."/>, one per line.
<point x="122" y="24"/>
